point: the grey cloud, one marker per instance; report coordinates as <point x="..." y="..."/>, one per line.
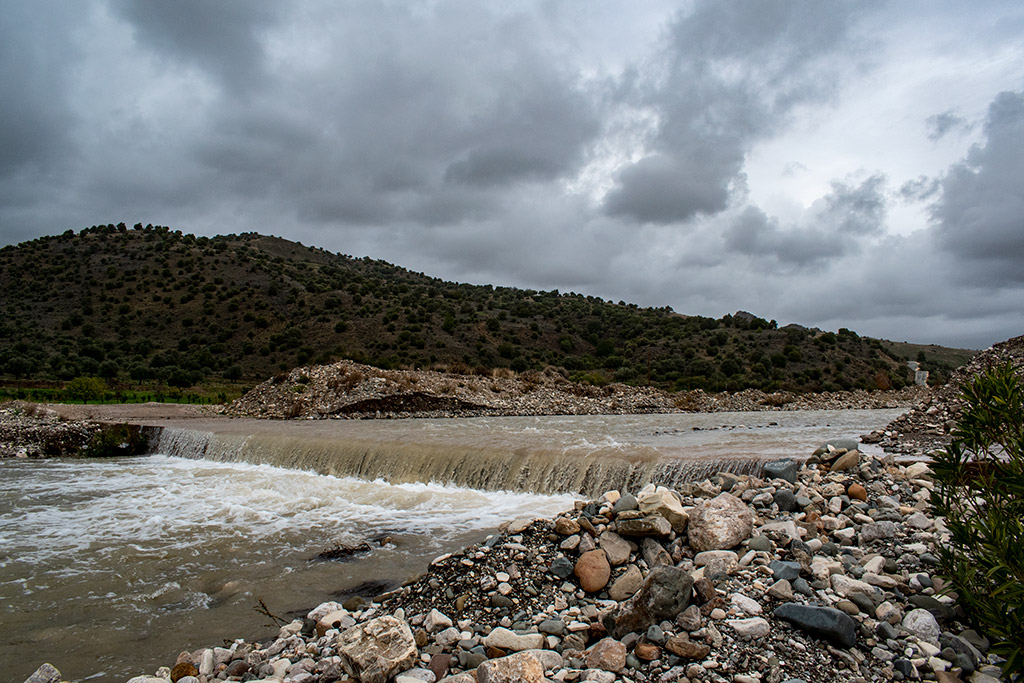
<point x="940" y="125"/>
<point x="919" y="189"/>
<point x="424" y="124"/>
<point x="731" y="74"/>
<point x="756" y="234"/>
<point x="980" y="213"/>
<point x="35" y="59"/>
<point x="856" y="210"/>
<point x="662" y="189"/>
<point x="222" y="38"/>
<point x="834" y="227"/>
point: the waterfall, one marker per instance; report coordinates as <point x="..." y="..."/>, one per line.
<point x="494" y="467"/>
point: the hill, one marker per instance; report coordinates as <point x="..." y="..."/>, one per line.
<point x="150" y="304"/>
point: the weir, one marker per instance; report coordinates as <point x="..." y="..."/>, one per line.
<point x="494" y="467"/>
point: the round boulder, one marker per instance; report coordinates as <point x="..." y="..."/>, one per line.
<point x="721" y="523"/>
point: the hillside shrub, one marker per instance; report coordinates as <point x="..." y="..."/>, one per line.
<point x="980" y="493"/>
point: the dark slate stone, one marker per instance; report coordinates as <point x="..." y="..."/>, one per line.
<point x="501" y="601"/>
<point x="829" y="548"/>
<point x="553" y="627"/>
<point x="561" y="567"/>
<point x="782" y="469"/>
<point x="823" y="622"/>
<point x="886" y="631"/>
<point x="924" y="580"/>
<point x="786" y="500"/>
<point x="864" y="603"/>
<point x="664" y="594"/>
<point x="801" y="586"/>
<point x="928" y="558"/>
<point x="796" y="546"/>
<point x="977" y="640"/>
<point x="904" y="666"/>
<point x="790" y="571"/>
<point x="938" y="610"/>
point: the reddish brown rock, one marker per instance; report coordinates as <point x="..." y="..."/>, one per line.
<point x="647" y="651"/>
<point x="687" y="649"/>
<point x="857" y="492"/>
<point x="593" y="570"/>
<point x="607" y="655"/>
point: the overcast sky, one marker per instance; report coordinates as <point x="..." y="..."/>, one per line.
<point x="834" y="164"/>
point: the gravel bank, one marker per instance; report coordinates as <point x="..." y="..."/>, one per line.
<point x="350" y="390"/>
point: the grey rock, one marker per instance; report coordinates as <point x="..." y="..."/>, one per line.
<point x="786" y="500"/>
<point x="877" y="530"/>
<point x="654" y="525"/>
<point x="980" y="642"/>
<point x="627" y="501"/>
<point x="654" y="554"/>
<point x="554" y="627"/>
<point x="760" y="543"/>
<point x="847" y="443"/>
<point x="937" y="608"/>
<point x="664" y="594"/>
<point x="788" y="571"/>
<point x="782" y="469"/>
<point x="823" y="622"/>
<point x="886" y="631"/>
<point x="561" y="567"/>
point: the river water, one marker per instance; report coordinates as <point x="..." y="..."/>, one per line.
<point x="108" y="568"/>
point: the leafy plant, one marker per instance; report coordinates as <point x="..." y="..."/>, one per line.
<point x="980" y="492"/>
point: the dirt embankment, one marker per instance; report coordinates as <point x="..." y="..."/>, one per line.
<point x="350" y="390"/>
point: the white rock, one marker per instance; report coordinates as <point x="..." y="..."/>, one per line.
<point x="663" y="501"/>
<point x="845" y="586"/>
<point x="922" y="624"/>
<point x="880" y="580"/>
<point x="509" y="640"/>
<point x="917" y="471"/>
<point x="746" y="605"/>
<point x="874" y="565"/>
<point x="755" y="627"/>
<point x="447" y="637"/>
<point x="436" y="621"/>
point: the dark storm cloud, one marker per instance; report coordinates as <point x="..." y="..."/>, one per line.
<point x="424" y="117"/>
<point x="731" y="74"/>
<point x="940" y="125"/>
<point x="980" y="213"/>
<point x="222" y="38"/>
<point x="833" y="228"/>
<point x="35" y="57"/>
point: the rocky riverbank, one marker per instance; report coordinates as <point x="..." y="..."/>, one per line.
<point x="31" y="431"/>
<point x="821" y="573"/>
<point x="929" y="424"/>
<point x="350" y="390"/>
